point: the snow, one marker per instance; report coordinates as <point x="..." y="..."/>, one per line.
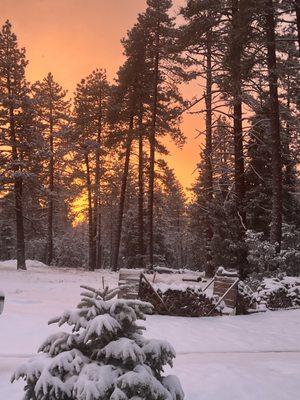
<point x="89" y="386"/>
<point x="229" y="358"/>
<point x="142" y="378"/>
<point x="181" y="287"/>
<point x="123" y="349"/>
<point x="101" y="325"/>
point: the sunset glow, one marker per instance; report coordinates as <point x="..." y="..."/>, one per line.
<point x="70" y="38"/>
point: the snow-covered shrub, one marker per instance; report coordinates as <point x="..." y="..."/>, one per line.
<point x="272" y="293"/>
<point x="71" y="249"/>
<point x="244" y="299"/>
<point x="276" y="293"/>
<point x="36" y="249"/>
<point x="290" y="253"/>
<point x="262" y="255"/>
<point x="105" y="357"/>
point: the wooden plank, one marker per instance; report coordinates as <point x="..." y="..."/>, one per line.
<point x="226" y="288"/>
<point x="224" y="297"/>
<point x="130" y="279"/>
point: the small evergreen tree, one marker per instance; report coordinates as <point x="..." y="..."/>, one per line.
<point x="104" y="358"/>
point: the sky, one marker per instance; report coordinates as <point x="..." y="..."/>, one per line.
<point x="71" y="38"/>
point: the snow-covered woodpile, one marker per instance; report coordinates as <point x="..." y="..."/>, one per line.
<point x="271" y="294"/>
<point x="179" y="300"/>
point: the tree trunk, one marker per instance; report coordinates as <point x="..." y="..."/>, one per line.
<point x="18" y="187"/>
<point x="239" y="167"/>
<point x="289" y="165"/>
<point x="141" y="192"/>
<point x="122" y="196"/>
<point x="208" y="154"/>
<point x="50" y="195"/>
<point x="18" y="192"/>
<point x="276" y="213"/>
<point x="97" y="207"/>
<point x="152" y="151"/>
<point x="297" y="7"/>
<point x="90" y="213"/>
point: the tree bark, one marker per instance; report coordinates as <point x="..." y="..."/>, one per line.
<point x="141" y="192"/>
<point x="276" y="213"/>
<point x="297" y="7"/>
<point x="208" y="153"/>
<point x="90" y="213"/>
<point x="18" y="189"/>
<point x="122" y="196"/>
<point x="50" y="194"/>
<point x="152" y="150"/>
<point x="97" y="207"/>
<point x="239" y="167"/>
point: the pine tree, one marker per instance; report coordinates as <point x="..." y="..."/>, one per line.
<point x="130" y="99"/>
<point x="166" y="103"/>
<point x="200" y="38"/>
<point x="104" y="358"/>
<point x="91" y="118"/>
<point x="13" y="91"/>
<point x="276" y="221"/>
<point x="52" y="110"/>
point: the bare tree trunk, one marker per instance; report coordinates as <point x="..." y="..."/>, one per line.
<point x="141" y="191"/>
<point x="18" y="191"/>
<point x="18" y="187"/>
<point x="208" y="153"/>
<point x="289" y="165"/>
<point x="276" y="214"/>
<point x="122" y="196"/>
<point x="111" y="236"/>
<point x="90" y="213"/>
<point x="97" y="208"/>
<point x="297" y="7"/>
<point x="50" y="195"/>
<point x="152" y="152"/>
<point x="239" y="167"/>
<point x="99" y="238"/>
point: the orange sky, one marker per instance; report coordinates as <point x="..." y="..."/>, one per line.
<point x="70" y="38"/>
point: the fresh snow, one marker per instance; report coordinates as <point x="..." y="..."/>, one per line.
<point x="255" y="357"/>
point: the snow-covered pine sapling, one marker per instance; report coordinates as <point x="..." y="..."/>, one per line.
<point x="105" y="357"/>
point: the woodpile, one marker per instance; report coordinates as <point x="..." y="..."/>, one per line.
<point x="188" y="303"/>
<point x="271" y="294"/>
<point x="279" y="299"/>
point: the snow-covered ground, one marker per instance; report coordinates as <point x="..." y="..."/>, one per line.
<point x="253" y="357"/>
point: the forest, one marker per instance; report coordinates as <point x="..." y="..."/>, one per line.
<point x="84" y="180"/>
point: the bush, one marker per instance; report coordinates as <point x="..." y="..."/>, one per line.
<point x="71" y="249"/>
<point x="271" y="293"/>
